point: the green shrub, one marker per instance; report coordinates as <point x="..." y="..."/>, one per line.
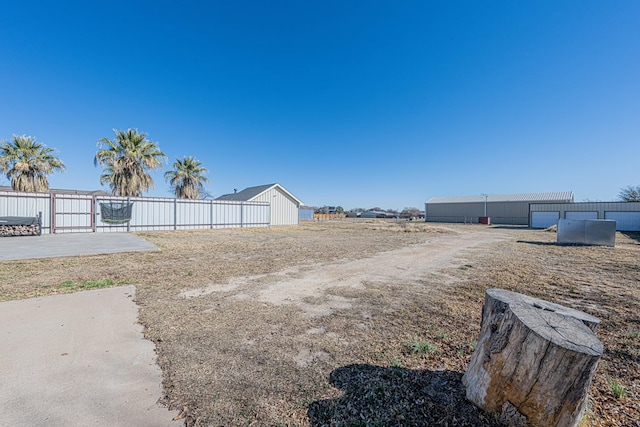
<point x="422" y="347"/>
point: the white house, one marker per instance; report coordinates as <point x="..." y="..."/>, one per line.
<point x="284" y="205"/>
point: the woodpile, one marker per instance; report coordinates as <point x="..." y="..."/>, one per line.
<point x="19" y="230"/>
<point x="534" y="361"/>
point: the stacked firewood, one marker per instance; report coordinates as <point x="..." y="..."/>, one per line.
<point x="19" y="230"/>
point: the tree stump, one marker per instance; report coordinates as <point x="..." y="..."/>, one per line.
<point x="534" y="360"/>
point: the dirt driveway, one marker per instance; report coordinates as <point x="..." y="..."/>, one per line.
<point x="298" y="285"/>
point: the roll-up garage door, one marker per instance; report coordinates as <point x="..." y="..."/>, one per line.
<point x="625" y="221"/>
<point x="544" y="219"/>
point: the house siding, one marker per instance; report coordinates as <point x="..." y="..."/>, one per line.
<point x="284" y="210"/>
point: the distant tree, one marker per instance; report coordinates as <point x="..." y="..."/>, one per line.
<point x="187" y="178"/>
<point x="126" y="160"/>
<point x="339" y="210"/>
<point x="27" y="163"/>
<point x="328" y="209"/>
<point x="630" y="193"/>
<point x="206" y="195"/>
<point x="411" y="212"/>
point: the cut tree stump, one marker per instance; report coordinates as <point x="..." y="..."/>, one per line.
<point x="534" y="360"/>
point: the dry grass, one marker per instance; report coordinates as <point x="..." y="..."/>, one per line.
<point x="602" y="281"/>
<point x="389" y="352"/>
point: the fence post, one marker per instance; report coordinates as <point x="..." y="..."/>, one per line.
<point x="128" y="222"/>
<point x="52" y="212"/>
<point x="175" y="214"/>
<point x="210" y="214"/>
<point x="241" y="214"/>
<point x="94" y="214"/>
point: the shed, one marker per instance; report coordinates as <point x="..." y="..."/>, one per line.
<point x="502" y="209"/>
<point x="374" y="214"/>
<point x="305" y="214"/>
<point x="284" y="205"/>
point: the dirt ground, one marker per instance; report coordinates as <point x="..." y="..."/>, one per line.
<point x="350" y="323"/>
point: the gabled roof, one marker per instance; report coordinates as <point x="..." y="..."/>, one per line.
<point x="251" y="193"/>
<point x="562" y="196"/>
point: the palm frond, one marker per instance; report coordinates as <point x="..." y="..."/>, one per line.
<point x="187" y="178"/>
<point x="126" y="161"/>
<point x="27" y="163"/>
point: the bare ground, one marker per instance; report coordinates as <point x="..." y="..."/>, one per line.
<point x="346" y="323"/>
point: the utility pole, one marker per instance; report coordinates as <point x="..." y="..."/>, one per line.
<point x="485" y="203"/>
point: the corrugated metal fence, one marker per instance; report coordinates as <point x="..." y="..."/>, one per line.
<point x="70" y="213"/>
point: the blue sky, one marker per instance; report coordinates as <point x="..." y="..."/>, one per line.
<point x="358" y="104"/>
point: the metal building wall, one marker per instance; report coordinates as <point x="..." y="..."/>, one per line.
<point x="601" y="208"/>
<point x="514" y="213"/>
<point x="284" y="210"/>
<point x="453" y="212"/>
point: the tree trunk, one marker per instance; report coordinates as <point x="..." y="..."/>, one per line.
<point x="534" y="360"/>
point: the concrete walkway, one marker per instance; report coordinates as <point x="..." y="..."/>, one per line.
<point x="70" y="244"/>
<point x="78" y="360"/>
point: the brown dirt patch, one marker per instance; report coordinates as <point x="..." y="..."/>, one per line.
<point x="319" y="324"/>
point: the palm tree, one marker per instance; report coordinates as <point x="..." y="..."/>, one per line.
<point x="126" y="160"/>
<point x="187" y="178"/>
<point x="27" y="163"/>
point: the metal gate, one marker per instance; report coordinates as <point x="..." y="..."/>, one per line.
<point x="72" y="213"/>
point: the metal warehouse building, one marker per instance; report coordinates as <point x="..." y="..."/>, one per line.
<point x="626" y="214"/>
<point x="284" y="205"/>
<point x="502" y="209"/>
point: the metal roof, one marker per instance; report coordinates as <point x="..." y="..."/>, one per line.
<point x="246" y="194"/>
<point x="251" y="193"/>
<point x="562" y="196"/>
